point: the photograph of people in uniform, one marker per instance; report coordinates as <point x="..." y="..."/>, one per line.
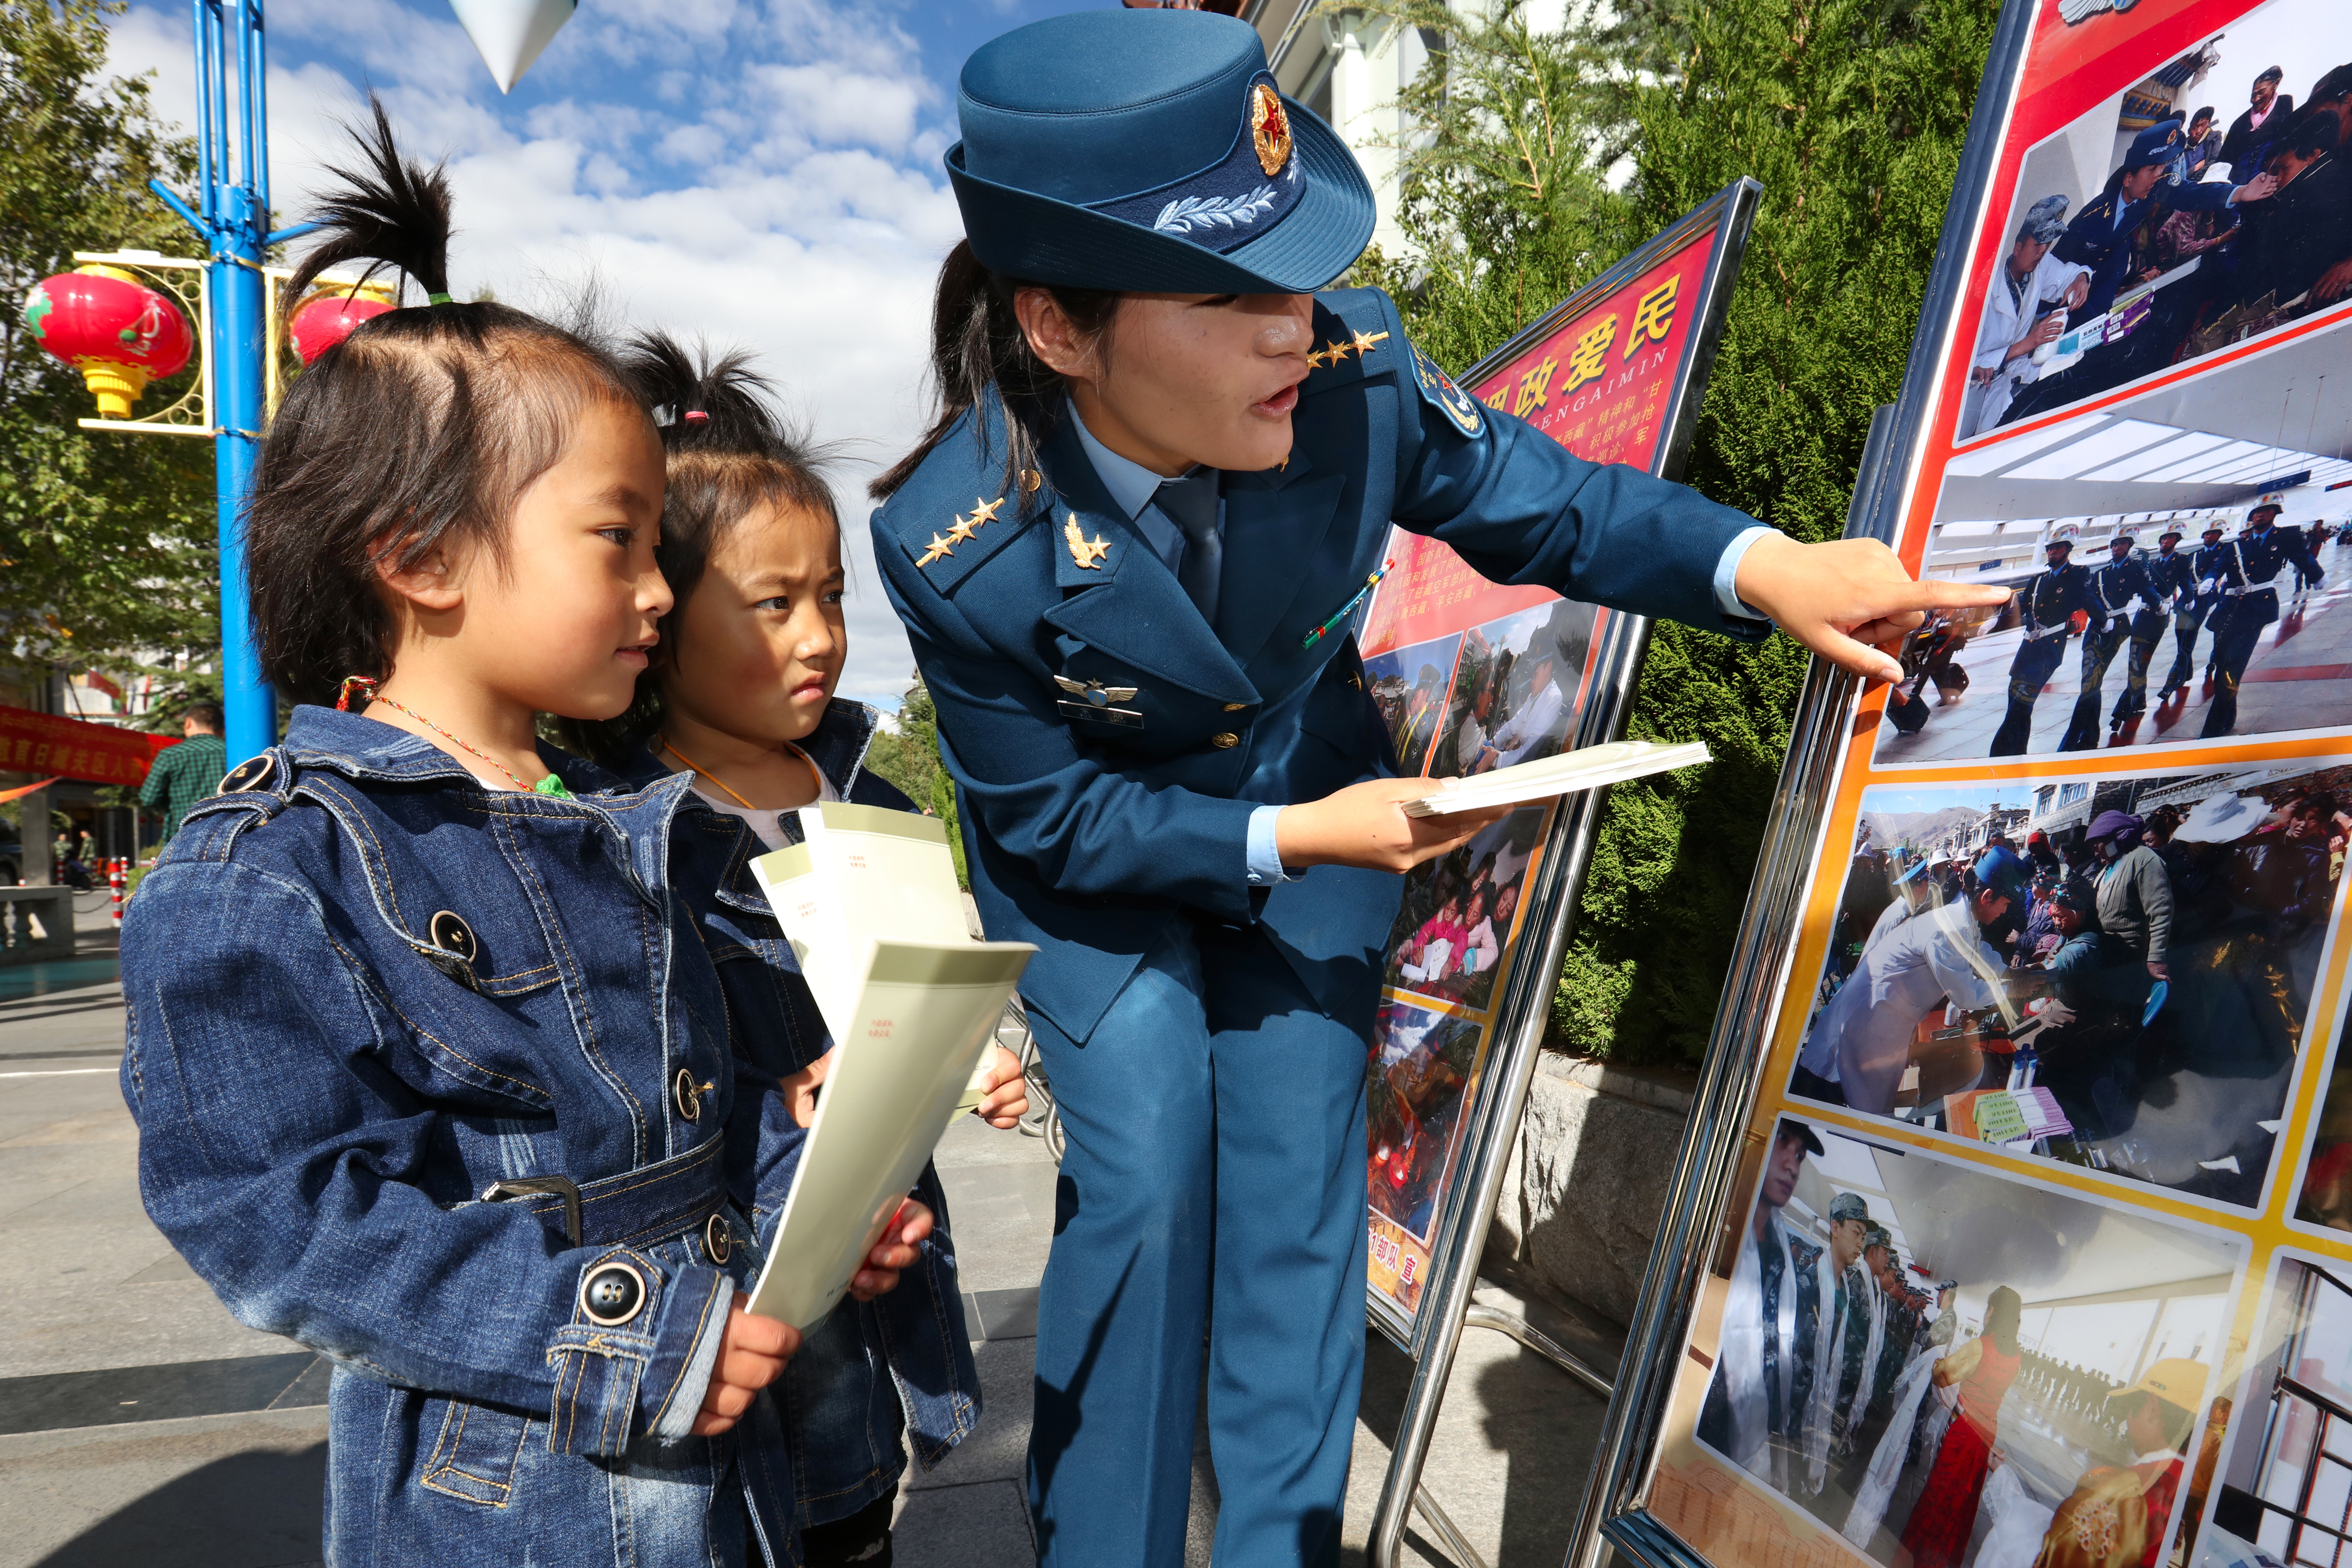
<point x="1459" y="911"/>
<point x="1422" y="1066"/>
<point x="1516" y="690"/>
<point x="2179" y="565"/>
<point x="2143" y="235"/>
<point x="2264" y="1494"/>
<point x="2114" y="972"/>
<point x="1944" y="1368"/>
<point x="1408" y="684"/>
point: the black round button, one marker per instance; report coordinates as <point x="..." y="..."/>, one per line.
<point x="452" y="935"/>
<point x="611" y="1295"/>
<point x="251" y="773"/>
<point x="689" y="1096"/>
<point x="718" y="1239"/>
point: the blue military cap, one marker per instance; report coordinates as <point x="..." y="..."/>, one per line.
<point x="1150" y="150"/>
<point x="2159" y="144"/>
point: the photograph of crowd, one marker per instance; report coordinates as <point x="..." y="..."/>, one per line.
<point x="2114" y="972"/>
<point x="1458" y="911"/>
<point x="2178" y="563"/>
<point x="1410" y="686"/>
<point x="1421" y="1066"/>
<point x="1944" y="1368"/>
<point x="2287" y="1472"/>
<point x="2211" y="203"/>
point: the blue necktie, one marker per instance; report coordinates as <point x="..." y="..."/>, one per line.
<point x="1190" y="503"/>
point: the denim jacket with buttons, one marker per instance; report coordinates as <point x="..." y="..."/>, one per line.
<point x="364" y="991"/>
<point x="904" y="1358"/>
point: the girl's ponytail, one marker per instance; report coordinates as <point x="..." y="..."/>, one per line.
<point x="394" y="213"/>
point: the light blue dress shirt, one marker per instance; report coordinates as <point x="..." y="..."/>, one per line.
<point x="1132" y="488"/>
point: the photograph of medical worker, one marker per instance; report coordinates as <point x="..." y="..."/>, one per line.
<point x="1410" y="685"/>
<point x="1420" y="1070"/>
<point x="2210" y="203"/>
<point x="1950" y="1369"/>
<point x="1459" y="910"/>
<point x="2112" y="972"/>
<point x="2179" y="564"/>
<point x="1515" y="690"/>
<point x="2279" y="1496"/>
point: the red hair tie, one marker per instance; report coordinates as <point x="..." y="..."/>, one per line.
<point x="695" y="416"/>
<point x="364" y="685"/>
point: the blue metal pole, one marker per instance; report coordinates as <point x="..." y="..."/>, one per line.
<point x="233" y="219"/>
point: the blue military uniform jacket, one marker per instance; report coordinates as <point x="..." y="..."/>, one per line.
<point x="2095" y="240"/>
<point x="2173" y="578"/>
<point x="2115" y="585"/>
<point x="2055" y="594"/>
<point x="1109" y="743"/>
<point x="2244" y="567"/>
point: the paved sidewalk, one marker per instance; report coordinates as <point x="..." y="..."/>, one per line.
<point x="139" y="1424"/>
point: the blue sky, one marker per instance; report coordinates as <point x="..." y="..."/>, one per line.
<point x="764" y="172"/>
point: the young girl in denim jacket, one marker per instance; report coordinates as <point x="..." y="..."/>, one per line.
<point x="739" y="700"/>
<point x="434" y="1069"/>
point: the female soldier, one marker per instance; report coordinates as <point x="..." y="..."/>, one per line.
<point x="1161" y="464"/>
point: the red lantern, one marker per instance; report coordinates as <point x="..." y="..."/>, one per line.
<point x="327" y="318"/>
<point x="113" y="329"/>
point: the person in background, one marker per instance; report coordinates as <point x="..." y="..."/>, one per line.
<point x="185" y="774"/>
<point x="2307" y="228"/>
<point x="2252" y="131"/>
<point x="2026" y="309"/>
<point x="2134" y="890"/>
<point x="1767" y="1360"/>
<point x="2333" y="95"/>
<point x="2116" y="1516"/>
<point x="2197" y="150"/>
<point x="1937" y="1535"/>
<point x="1533" y="718"/>
<point x="2243" y="572"/>
<point x="1846" y="1338"/>
<point x="2046" y="609"/>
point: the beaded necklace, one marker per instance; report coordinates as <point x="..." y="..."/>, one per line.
<point x="550" y="785"/>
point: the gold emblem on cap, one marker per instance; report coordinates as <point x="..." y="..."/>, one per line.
<point x="1269" y="129"/>
<point x="1087" y="553"/>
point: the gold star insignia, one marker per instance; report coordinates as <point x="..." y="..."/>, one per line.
<point x="1316" y="359"/>
<point x="938" y="547"/>
<point x="1338" y="351"/>
<point x="1087" y="553"/>
<point x="963" y="531"/>
<point x="985" y="511"/>
<point x="1363" y="345"/>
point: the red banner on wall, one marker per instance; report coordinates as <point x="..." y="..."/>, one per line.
<point x="34" y="742"/>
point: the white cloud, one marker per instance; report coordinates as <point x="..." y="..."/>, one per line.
<point x="757" y="174"/>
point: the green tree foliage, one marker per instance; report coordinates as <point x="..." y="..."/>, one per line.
<point x="1852" y="114"/>
<point x="910" y="759"/>
<point x="106" y="540"/>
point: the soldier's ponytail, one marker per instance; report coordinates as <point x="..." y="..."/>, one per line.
<point x="979" y="351"/>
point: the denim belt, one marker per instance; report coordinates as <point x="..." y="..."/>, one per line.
<point x="647" y="1203"/>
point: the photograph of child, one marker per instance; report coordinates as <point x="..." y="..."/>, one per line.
<point x="1410" y="685"/>
<point x="2268" y="1501"/>
<point x="2112" y="972"/>
<point x="1458" y="912"/>
<point x="1421" y="1067"/>
<point x="1951" y="1369"/>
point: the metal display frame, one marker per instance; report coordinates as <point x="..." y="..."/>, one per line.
<point x="1708" y="1162"/>
<point x="1432" y="1335"/>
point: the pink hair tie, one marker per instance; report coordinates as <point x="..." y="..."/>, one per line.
<point x="694" y="415"/>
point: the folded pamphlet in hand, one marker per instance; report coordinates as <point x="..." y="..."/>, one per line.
<point x="922" y="1015"/>
<point x="1588" y="767"/>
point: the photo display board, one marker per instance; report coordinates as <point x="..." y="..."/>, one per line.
<point x="2020" y="1174"/>
<point x="1471" y="675"/>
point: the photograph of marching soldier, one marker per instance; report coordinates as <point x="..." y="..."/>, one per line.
<point x="2187" y="539"/>
<point x="2276" y="1495"/>
<point x="2115" y="973"/>
<point x="1946" y="1368"/>
<point x="2139" y="237"/>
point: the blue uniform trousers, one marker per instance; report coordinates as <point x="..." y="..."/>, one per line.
<point x="1214" y="1180"/>
<point x="2037" y="660"/>
<point x="2100" y="645"/>
<point x="2185" y="627"/>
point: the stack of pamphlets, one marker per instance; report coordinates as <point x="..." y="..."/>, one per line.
<point x="1588" y="767"/>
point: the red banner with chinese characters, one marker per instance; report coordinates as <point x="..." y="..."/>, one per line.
<point x="45" y="743"/>
<point x="1599" y="385"/>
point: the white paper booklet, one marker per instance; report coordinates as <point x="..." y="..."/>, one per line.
<point x="1566" y="774"/>
<point x="865" y="874"/>
<point x="923" y="1015"/>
